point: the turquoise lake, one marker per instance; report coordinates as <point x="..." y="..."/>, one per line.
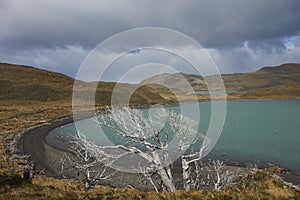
<point x="255" y="131"/>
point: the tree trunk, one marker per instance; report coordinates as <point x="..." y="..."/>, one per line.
<point x="218" y="183"/>
<point x="88" y="183"/>
<point x="185" y="174"/>
<point x="166" y="179"/>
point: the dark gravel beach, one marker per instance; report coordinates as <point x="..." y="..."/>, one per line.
<point x="33" y="143"/>
<point x="46" y="156"/>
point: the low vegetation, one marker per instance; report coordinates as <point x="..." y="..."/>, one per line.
<point x="281" y="82"/>
<point x="29" y="97"/>
<point x="259" y="185"/>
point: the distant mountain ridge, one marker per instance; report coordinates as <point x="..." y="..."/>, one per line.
<point x="286" y="74"/>
<point x="18" y="82"/>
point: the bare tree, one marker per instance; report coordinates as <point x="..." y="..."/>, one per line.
<point x="188" y="135"/>
<point x="148" y="133"/>
<point x="212" y="173"/>
<point x="145" y="132"/>
<point x="83" y="158"/>
<point x="148" y="175"/>
<point x="149" y="138"/>
<point x="221" y="178"/>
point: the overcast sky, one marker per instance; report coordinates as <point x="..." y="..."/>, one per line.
<point x="240" y="36"/>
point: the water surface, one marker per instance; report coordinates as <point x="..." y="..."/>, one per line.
<point x="260" y="131"/>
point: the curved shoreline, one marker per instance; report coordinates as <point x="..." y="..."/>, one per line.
<point x="32" y="142"/>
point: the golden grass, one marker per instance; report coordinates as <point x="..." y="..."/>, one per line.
<point x="260" y="185"/>
<point x="17" y="115"/>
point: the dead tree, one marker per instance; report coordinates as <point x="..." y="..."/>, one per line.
<point x="148" y="133"/>
<point x="188" y="135"/>
<point x="148" y="137"/>
<point x="131" y="124"/>
<point x="212" y="174"/>
<point x="83" y="158"/>
<point x="148" y="175"/>
<point x="222" y="178"/>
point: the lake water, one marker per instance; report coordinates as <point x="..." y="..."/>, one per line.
<point x="260" y="131"/>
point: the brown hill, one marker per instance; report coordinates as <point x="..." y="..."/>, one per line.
<point x="28" y="83"/>
<point x="19" y="82"/>
<point x="273" y="82"/>
<point x="286" y="74"/>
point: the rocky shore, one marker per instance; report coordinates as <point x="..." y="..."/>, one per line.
<point x="46" y="155"/>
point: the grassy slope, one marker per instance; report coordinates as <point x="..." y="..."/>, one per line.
<point x="18" y="112"/>
<point x="27" y="83"/>
<point x="269" y="82"/>
<point x="260" y="185"/>
<point x="266" y="77"/>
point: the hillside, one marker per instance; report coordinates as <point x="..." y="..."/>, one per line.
<point x="23" y="106"/>
<point x="269" y="82"/>
<point x="19" y="82"/>
<point x="28" y="83"/>
<point x="286" y="74"/>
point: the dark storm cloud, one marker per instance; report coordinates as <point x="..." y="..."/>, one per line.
<point x="60" y="33"/>
<point x="33" y="23"/>
<point x="267" y="46"/>
<point x="51" y="24"/>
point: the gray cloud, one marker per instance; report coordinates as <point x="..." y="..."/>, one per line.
<point x="213" y="23"/>
<point x="49" y="33"/>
